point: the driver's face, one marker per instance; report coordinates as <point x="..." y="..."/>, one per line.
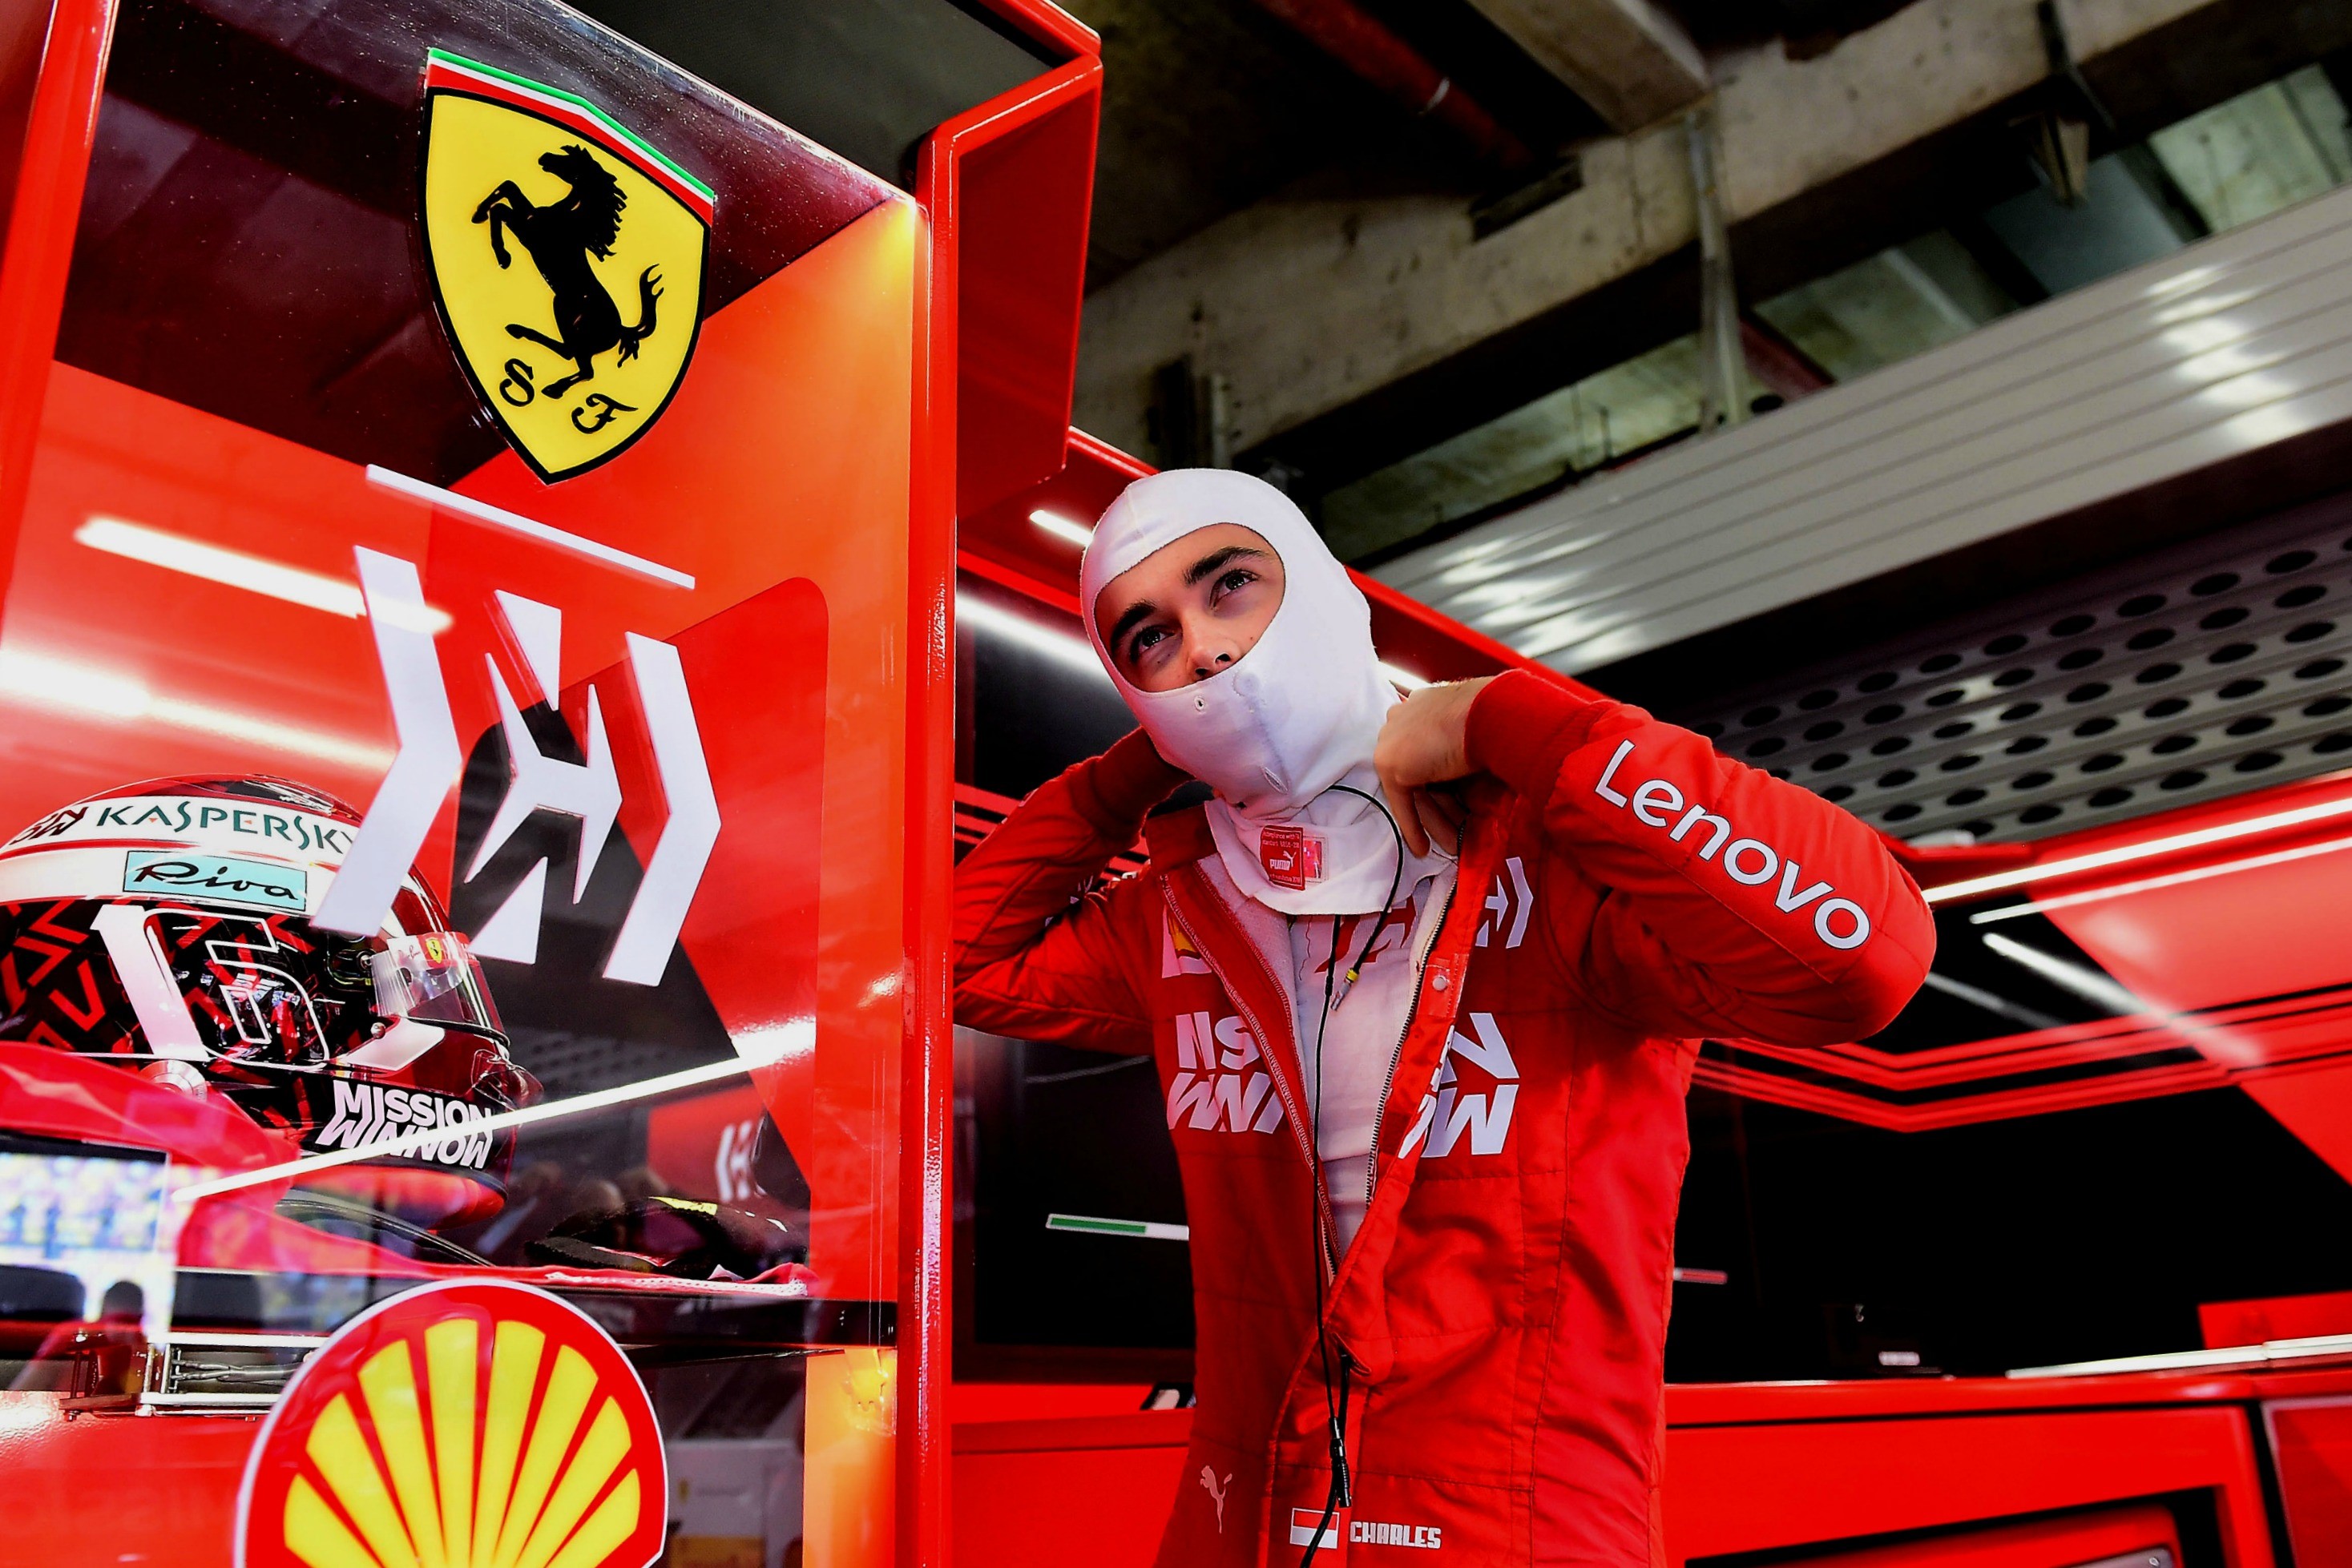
<point x="1190" y="609"/>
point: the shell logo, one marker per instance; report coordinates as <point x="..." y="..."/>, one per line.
<point x="463" y="1425"/>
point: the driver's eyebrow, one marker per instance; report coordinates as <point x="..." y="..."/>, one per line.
<point x="1217" y="560"/>
<point x="1134" y="615"/>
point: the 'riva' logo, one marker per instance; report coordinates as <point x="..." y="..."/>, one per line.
<point x="567" y="257"/>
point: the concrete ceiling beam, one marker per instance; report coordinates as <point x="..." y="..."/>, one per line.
<point x="1627" y="58"/>
<point x="1341" y="284"/>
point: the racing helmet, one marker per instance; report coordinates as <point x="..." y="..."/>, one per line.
<point x="166" y="925"/>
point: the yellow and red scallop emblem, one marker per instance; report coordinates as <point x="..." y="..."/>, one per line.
<point x="459" y="1426"/>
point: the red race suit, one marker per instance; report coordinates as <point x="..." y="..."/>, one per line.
<point x="1623" y="890"/>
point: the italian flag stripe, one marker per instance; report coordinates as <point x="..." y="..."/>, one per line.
<point x="443" y="70"/>
<point x="1149" y="1229"/>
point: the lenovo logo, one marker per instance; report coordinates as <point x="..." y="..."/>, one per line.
<point x="1839" y="922"/>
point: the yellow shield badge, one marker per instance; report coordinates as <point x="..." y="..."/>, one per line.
<point x="567" y="257"/>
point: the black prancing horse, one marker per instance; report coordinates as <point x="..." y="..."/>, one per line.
<point x="560" y="238"/>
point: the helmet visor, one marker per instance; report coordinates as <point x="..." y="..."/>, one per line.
<point x="433" y="978"/>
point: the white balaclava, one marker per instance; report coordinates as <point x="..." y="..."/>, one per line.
<point x="1276" y="730"/>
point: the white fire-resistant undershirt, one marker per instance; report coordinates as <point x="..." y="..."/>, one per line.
<point x="1367" y="1020"/>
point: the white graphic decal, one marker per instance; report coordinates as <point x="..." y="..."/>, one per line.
<point x="430" y="758"/>
<point x="1510" y="905"/>
<point x="538" y="633"/>
<point x="1213" y="1087"/>
<point x="641" y="952"/>
<point x="147" y="982"/>
<point x="413" y="788"/>
<point x="1446" y="1114"/>
<point x="733" y="1166"/>
<point x="512" y="933"/>
<point x="589" y="791"/>
<point x="369" y="1113"/>
<point x="254" y="990"/>
<point x="1428" y="1537"/>
<point x="1305" y="1523"/>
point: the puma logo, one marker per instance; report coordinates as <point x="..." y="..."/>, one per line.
<point x="1216" y="1490"/>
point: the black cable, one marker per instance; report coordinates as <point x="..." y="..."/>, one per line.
<point x="1325" y="1253"/>
<point x="1336" y="1414"/>
<point x="1396" y="879"/>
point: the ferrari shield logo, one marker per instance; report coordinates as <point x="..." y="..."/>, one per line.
<point x="567" y="259"/>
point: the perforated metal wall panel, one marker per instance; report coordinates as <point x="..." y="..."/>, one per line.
<point x="2199" y="672"/>
<point x="2237" y="342"/>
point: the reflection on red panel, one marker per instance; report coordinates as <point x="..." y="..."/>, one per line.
<point x="1023" y="207"/>
<point x="2311" y="1443"/>
<point x="704" y="1148"/>
<point x="2275" y="1317"/>
<point x="2220" y="938"/>
<point x="2121" y="1536"/>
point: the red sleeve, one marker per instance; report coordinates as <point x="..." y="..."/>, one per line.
<point x="1733" y="903"/>
<point x="1036" y="953"/>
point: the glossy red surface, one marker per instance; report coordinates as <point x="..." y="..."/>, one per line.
<point x="2275" y="1317"/>
<point x="44" y="207"/>
<point x="2236" y="990"/>
<point x="1026" y="172"/>
<point x="2311" y="1440"/>
<point x="990" y="287"/>
<point x="2101" y="1535"/>
<point x="1762" y="1467"/>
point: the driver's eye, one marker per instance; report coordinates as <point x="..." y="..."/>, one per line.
<point x="1235" y="580"/>
<point x="1147" y="639"/>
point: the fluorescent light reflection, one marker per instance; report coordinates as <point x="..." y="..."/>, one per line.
<point x="1991" y="1002"/>
<point x="1063" y="529"/>
<point x="39" y="680"/>
<point x="2067" y="975"/>
<point x="1404" y="679"/>
<point x="235" y="568"/>
<point x="2149" y="849"/>
<point x="1020" y="630"/>
<point x="409" y="1143"/>
<point x="2148" y="883"/>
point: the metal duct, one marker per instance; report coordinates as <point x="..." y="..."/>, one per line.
<point x="1367" y="48"/>
<point x="2235" y="343"/>
<point x="2203" y="671"/>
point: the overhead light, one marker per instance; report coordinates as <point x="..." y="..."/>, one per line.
<point x="235" y="568"/>
<point x="2148" y="849"/>
<point x="37" y="680"/>
<point x="1061" y="527"/>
